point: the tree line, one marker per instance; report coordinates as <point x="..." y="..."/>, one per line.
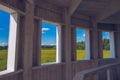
<point x="79" y="45"/>
<point x="106" y="45"/>
<point x="3" y="47"/>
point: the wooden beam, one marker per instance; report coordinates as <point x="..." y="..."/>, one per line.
<point x="30" y="1"/>
<point x="28" y="41"/>
<point x="67" y="45"/>
<point x="112" y="8"/>
<point x="74" y="5"/>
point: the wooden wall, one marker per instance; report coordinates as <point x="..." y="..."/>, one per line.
<point x="29" y="68"/>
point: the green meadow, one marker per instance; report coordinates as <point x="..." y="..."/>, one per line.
<point x="48" y="55"/>
<point x="3" y="59"/>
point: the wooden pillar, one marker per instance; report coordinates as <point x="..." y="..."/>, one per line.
<point x="28" y="40"/>
<point x="117" y="41"/>
<point x="67" y="46"/>
<point x="19" y="38"/>
<point x="73" y="43"/>
<point x="100" y="45"/>
<point x="37" y="42"/>
<point x="94" y="39"/>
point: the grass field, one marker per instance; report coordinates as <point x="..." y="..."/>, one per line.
<point x="47" y="56"/>
<point x="3" y="59"/>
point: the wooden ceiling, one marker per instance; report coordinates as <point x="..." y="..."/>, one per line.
<point x="100" y="9"/>
<point x="59" y="3"/>
<point x="91" y="7"/>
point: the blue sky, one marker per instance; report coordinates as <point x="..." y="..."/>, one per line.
<point x="48" y="31"/>
<point x="80" y="35"/>
<point x="106" y="35"/>
<point x="48" y="34"/>
<point x="4" y="27"/>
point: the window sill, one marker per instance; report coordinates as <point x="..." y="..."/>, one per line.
<point x="9" y="73"/>
<point x="52" y="63"/>
<point x="5" y="72"/>
<point x="108" y="58"/>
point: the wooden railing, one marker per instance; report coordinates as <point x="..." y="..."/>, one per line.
<point x="84" y="74"/>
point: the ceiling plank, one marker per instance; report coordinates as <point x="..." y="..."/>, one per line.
<point x="74" y="5"/>
<point x="112" y="8"/>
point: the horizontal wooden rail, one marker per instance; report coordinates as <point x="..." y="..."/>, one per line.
<point x="9" y="73"/>
<point x="82" y="75"/>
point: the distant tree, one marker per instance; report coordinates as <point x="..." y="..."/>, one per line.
<point x="48" y="47"/>
<point x="106" y="44"/>
<point x="3" y="47"/>
<point x="80" y="45"/>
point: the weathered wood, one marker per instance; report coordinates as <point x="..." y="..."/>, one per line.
<point x="117" y="43"/>
<point x="100" y="45"/>
<point x="112" y="8"/>
<point x="37" y="42"/>
<point x="73" y="43"/>
<point x="67" y="45"/>
<point x="94" y="39"/>
<point x="108" y="74"/>
<point x="79" y="75"/>
<point x="28" y="41"/>
<point x="74" y="5"/>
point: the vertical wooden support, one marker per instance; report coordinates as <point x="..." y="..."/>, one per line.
<point x="39" y="39"/>
<point x="17" y="42"/>
<point x="117" y="41"/>
<point x="28" y="41"/>
<point x="73" y="43"/>
<point x="20" y="38"/>
<point x="67" y="46"/>
<point x="108" y="75"/>
<point x="100" y="45"/>
<point x="94" y="39"/>
<point x="37" y="42"/>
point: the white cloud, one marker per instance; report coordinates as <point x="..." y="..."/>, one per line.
<point x="45" y="29"/>
<point x="48" y="44"/>
<point x="83" y="35"/>
<point x="43" y="44"/>
<point x="52" y="44"/>
<point x="3" y="44"/>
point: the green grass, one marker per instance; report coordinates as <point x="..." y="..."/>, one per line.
<point x="3" y="60"/>
<point x="106" y="54"/>
<point x="47" y="56"/>
<point x="80" y="54"/>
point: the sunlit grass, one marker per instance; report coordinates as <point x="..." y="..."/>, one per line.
<point x="80" y="55"/>
<point x="3" y="60"/>
<point x="106" y="54"/>
<point x="47" y="56"/>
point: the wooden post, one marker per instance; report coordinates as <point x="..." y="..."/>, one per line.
<point x="18" y="37"/>
<point x="100" y="45"/>
<point x="94" y="39"/>
<point x="28" y="41"/>
<point x="37" y="42"/>
<point x="108" y="74"/>
<point x="67" y="46"/>
<point x="73" y="43"/>
<point x="79" y="77"/>
<point x="117" y="41"/>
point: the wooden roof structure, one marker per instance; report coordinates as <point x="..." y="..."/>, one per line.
<point x="93" y="15"/>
